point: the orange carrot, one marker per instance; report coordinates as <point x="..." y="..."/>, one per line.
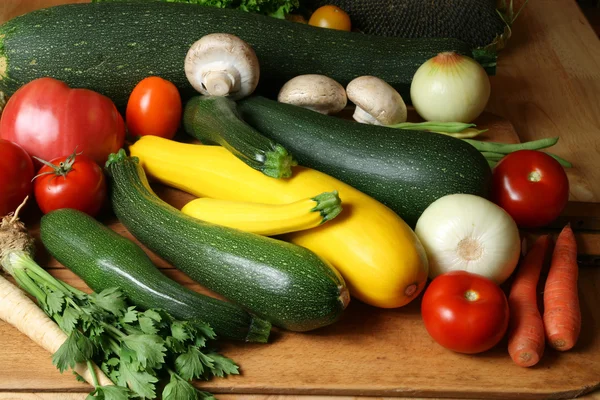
<point x="562" y="316"/>
<point x="526" y="330"/>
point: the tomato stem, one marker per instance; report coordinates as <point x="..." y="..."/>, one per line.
<point x="471" y="295"/>
<point x="534" y="176"/>
<point x="61" y="169"/>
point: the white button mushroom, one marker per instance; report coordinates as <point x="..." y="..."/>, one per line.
<point x="377" y="103"/>
<point x="314" y="92"/>
<point x="221" y="64"/>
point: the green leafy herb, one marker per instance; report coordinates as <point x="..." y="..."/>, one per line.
<point x="76" y="349"/>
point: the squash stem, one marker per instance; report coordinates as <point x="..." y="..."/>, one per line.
<point x="328" y="205"/>
<point x="278" y="163"/>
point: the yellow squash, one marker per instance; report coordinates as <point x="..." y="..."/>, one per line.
<point x="379" y="256"/>
<point x="266" y="219"/>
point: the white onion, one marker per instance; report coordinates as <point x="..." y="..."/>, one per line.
<point x="469" y="233"/>
<point x="450" y="88"/>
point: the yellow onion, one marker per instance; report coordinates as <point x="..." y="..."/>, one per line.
<point x="450" y="88"/>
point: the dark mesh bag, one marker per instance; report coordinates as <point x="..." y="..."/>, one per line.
<point x="474" y="21"/>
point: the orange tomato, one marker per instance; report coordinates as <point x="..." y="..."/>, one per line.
<point x="331" y="17"/>
<point x="154" y="108"/>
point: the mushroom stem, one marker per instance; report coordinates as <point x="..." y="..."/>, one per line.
<point x="364" y="117"/>
<point x="218" y="83"/>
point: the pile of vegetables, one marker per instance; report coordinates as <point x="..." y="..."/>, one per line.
<point x="297" y="210"/>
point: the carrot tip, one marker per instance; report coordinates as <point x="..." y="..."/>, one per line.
<point x="560" y="344"/>
<point x="527" y="359"/>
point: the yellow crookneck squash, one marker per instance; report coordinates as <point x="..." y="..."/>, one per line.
<point x="379" y="256"/>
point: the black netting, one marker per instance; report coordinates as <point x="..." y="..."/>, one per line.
<point x="473" y="21"/>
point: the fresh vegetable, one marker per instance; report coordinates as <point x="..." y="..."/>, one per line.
<point x="212" y="119"/>
<point x="376" y="102"/>
<point x="75" y="181"/>
<point x="314" y="92"/>
<point x="331" y="17"/>
<point x="21" y="312"/>
<point x="49" y="119"/>
<point x="273" y="8"/>
<point x="469" y="233"/>
<point x="287" y="285"/>
<point x="562" y="314"/>
<point x="459" y="130"/>
<point x="465" y="312"/>
<point x="450" y="88"/>
<point x="15" y="179"/>
<point x="267" y="219"/>
<point x="126" y="41"/>
<point x="531" y="186"/>
<point x="105" y="259"/>
<point x="154" y="108"/>
<point x="379" y="256"/>
<point x="135" y="349"/>
<point x="494" y="151"/>
<point x="407" y="172"/>
<point x="526" y="328"/>
<point x="222" y="64"/>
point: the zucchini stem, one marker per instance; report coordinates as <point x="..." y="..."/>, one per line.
<point x="328" y="205"/>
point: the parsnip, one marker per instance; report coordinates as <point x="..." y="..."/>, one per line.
<point x="21" y="312"/>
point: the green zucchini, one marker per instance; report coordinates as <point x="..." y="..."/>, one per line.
<point x="110" y="47"/>
<point x="287" y="285"/>
<point x="105" y="259"/>
<point x="405" y="170"/>
<point x="214" y="120"/>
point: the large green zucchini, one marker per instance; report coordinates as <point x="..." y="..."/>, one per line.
<point x="110" y="47"/>
<point x="405" y="170"/>
<point x="288" y="285"/>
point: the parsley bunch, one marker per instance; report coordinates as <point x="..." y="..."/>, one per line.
<point x="135" y="349"/>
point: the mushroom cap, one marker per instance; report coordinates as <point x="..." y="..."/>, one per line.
<point x="226" y="56"/>
<point x="315" y="92"/>
<point x="378" y="99"/>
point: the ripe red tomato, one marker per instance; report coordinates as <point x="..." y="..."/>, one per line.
<point x="75" y="182"/>
<point x="15" y="178"/>
<point x="154" y="108"/>
<point x="531" y="186"/>
<point x="49" y="119"/>
<point x="332" y="17"/>
<point x="465" y="312"/>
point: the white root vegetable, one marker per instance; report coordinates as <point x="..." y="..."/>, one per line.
<point x="21" y="312"/>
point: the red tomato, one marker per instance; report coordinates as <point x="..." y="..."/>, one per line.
<point x="49" y="119"/>
<point x="15" y="178"/>
<point x="531" y="186"/>
<point x="332" y="17"/>
<point x="75" y="182"/>
<point x="154" y="108"/>
<point x="465" y="312"/>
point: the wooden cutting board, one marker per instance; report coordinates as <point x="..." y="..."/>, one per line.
<point x="369" y="352"/>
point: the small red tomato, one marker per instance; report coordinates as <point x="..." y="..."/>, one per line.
<point x="465" y="312"/>
<point x="15" y="178"/>
<point x="75" y="182"/>
<point x="154" y="108"/>
<point x="531" y="186"/>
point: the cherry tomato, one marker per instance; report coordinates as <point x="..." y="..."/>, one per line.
<point x="15" y="178"/>
<point x="331" y="17"/>
<point x="531" y="186"/>
<point x="465" y="312"/>
<point x="154" y="108"/>
<point x="75" y="181"/>
<point x="49" y="119"/>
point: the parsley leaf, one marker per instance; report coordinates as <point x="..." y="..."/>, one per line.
<point x="54" y="302"/>
<point x="188" y="365"/>
<point x="179" y="331"/>
<point x="109" y="393"/>
<point x="223" y="366"/>
<point x="69" y="319"/>
<point x="111" y="300"/>
<point x="179" y="389"/>
<point x="141" y="382"/>
<point x="130" y="315"/>
<point x="77" y="348"/>
<point x="147" y="325"/>
<point x="149" y="349"/>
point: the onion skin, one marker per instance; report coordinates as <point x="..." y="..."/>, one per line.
<point x="450" y="88"/>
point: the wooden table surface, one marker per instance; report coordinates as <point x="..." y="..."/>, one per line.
<point x="548" y="84"/>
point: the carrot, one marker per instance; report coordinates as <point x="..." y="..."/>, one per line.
<point x="562" y="315"/>
<point x="526" y="330"/>
<point x="21" y="312"/>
